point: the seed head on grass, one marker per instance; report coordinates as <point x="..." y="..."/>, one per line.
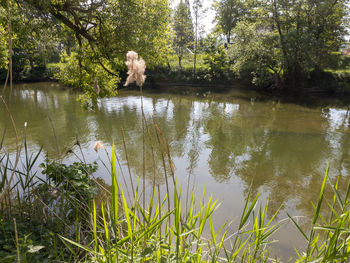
<point x="136" y="68"/>
<point x="99" y="145"/>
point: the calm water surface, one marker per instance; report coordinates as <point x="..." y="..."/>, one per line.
<point x="225" y="143"/>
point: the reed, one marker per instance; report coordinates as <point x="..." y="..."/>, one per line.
<point x="136" y="73"/>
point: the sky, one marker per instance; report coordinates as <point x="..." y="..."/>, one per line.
<point x="207" y="19"/>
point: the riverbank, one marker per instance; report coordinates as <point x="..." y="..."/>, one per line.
<point x="331" y="87"/>
<point x="322" y="84"/>
<point x="312" y="96"/>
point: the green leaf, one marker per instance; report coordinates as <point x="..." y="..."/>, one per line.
<point x="320" y="199"/>
<point x="299" y="228"/>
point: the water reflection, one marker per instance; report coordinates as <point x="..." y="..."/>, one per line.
<point x="228" y="144"/>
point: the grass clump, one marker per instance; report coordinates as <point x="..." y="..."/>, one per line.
<point x="123" y="231"/>
<point x="329" y="237"/>
<point x="34" y="208"/>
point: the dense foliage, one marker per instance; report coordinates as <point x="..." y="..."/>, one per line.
<point x="227" y="14"/>
<point x="83" y="43"/>
<point x="58" y="202"/>
<point x="90" y="37"/>
<point x="288" y="40"/>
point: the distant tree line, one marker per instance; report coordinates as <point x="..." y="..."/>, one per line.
<point x="268" y="43"/>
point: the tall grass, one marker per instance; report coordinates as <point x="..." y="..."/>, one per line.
<point x="124" y="231"/>
<point x="329" y="237"/>
<point x="128" y="233"/>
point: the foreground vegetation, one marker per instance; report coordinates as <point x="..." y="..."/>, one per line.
<point x="67" y="215"/>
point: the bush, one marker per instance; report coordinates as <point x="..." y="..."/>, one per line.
<point x="78" y="72"/>
<point x="59" y="202"/>
<point x="35" y="242"/>
<point x="216" y="60"/>
<point x="255" y="56"/>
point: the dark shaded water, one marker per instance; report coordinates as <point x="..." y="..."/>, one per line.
<point x="227" y="143"/>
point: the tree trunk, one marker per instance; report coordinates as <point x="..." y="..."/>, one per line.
<point x="10" y="42"/>
<point x="168" y="64"/>
<point x="31" y="63"/>
<point x="195" y="62"/>
<point x="281" y="36"/>
<point x="195" y="46"/>
<point x="180" y="58"/>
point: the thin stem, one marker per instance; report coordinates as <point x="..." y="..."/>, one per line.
<point x="17" y="245"/>
<point x="54" y="134"/>
<point x="143" y="153"/>
<point x="127" y="161"/>
<point x="163" y="160"/>
<point x="10" y="42"/>
<point x="153" y="157"/>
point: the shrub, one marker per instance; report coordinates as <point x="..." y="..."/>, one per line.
<point x="81" y="73"/>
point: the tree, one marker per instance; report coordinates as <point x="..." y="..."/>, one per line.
<point x="256" y="56"/>
<point x="308" y="32"/>
<point x="105" y="30"/>
<point x="198" y="11"/>
<point x="283" y="42"/>
<point x="227" y="14"/>
<point x="216" y="60"/>
<point x="183" y="28"/>
<point x="34" y="43"/>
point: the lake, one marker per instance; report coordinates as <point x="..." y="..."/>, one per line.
<point x="228" y="143"/>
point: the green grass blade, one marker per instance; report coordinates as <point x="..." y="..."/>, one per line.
<point x="64" y="240"/>
<point x="320" y="199"/>
<point x="115" y="192"/>
<point x="336" y="193"/>
<point x="247" y="213"/>
<point x="298" y="227"/>
<point x="95" y="224"/>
